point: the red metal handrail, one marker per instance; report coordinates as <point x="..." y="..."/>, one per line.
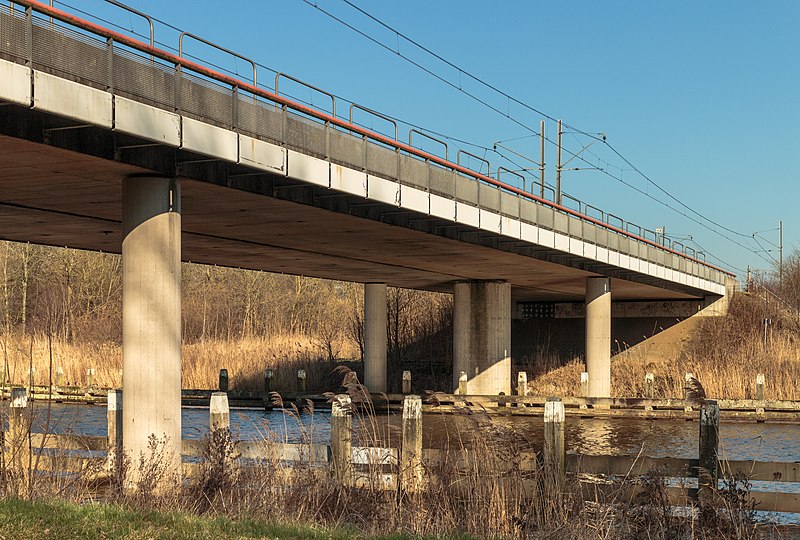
<point x="233" y="82"/>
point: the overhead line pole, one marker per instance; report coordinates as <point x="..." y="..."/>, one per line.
<point x="558" y="164"/>
<point x="542" y="139"/>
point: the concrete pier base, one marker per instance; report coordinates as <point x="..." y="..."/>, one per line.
<point x="151" y="322"/>
<point x="598" y="335"/>
<point x="482" y="336"/>
<point x="375" y="340"/>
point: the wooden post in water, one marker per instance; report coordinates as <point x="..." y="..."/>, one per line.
<point x="554" y="452"/>
<point x="760" y="392"/>
<point x="341" y="439"/>
<point x="584" y="387"/>
<point x="18" y="439"/>
<point x="267" y="389"/>
<point x="219" y="415"/>
<point x="686" y="379"/>
<point x="411" y="450"/>
<point x="114" y="410"/>
<point x="302" y="384"/>
<point x="223" y="380"/>
<point x="462" y="384"/>
<point x="406" y="382"/>
<point x="522" y="384"/>
<point x="709" y="438"/>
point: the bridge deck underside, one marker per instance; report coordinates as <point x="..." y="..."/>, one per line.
<point x="60" y="197"/>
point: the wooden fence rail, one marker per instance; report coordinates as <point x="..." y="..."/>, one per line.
<point x="410" y="463"/>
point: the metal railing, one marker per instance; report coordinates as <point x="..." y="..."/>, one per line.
<point x="581" y="211"/>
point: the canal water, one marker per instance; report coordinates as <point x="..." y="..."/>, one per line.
<point x="616" y="436"/>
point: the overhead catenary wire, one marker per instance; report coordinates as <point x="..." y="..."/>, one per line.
<point x="632" y="167"/>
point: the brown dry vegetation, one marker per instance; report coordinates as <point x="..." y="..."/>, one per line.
<point x="724" y="353"/>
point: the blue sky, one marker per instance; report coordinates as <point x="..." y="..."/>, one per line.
<point x="700" y="96"/>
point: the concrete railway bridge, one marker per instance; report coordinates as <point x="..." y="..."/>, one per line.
<point x="108" y="143"/>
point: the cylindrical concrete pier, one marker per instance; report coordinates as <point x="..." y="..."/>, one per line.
<point x="151" y="321"/>
<point x="482" y="336"/>
<point x="598" y="335"/>
<point x="375" y="341"/>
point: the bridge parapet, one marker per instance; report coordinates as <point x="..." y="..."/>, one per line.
<point x="126" y="68"/>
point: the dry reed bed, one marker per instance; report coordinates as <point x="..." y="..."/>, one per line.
<point x="245" y="359"/>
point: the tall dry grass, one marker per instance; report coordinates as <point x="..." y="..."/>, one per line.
<point x="246" y="359"/>
<point x="724" y="353"/>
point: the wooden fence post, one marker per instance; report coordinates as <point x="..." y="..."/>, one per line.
<point x="223" y="380"/>
<point x="406" y="382"/>
<point x="709" y="437"/>
<point x="302" y="384"/>
<point x="522" y="384"/>
<point x="584" y="387"/>
<point x="114" y="411"/>
<point x="686" y="378"/>
<point x="219" y="415"/>
<point x="554" y="451"/>
<point x="19" y="423"/>
<point x="411" y="450"/>
<point x="267" y="389"/>
<point x="341" y="439"/>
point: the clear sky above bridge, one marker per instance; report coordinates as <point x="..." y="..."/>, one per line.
<point x="701" y="97"/>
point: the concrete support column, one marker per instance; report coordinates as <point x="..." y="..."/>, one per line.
<point x="482" y="336"/>
<point x="598" y="335"/>
<point x="151" y="322"/>
<point x="375" y="341"/>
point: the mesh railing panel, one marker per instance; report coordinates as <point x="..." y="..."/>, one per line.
<point x="414" y="172"/>
<point x="306" y="135"/>
<point x="138" y="78"/>
<point x="346" y="149"/>
<point x="13" y="38"/>
<point x="509" y="204"/>
<point x="442" y="181"/>
<point x="259" y="118"/>
<point x="489" y="197"/>
<point x="68" y="54"/>
<point x="381" y="161"/>
<point x="205" y="100"/>
<point x="466" y="190"/>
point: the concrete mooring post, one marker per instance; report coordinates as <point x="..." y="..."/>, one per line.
<point x="760" y="387"/>
<point x="90" y="377"/>
<point x="59" y="377"/>
<point x="302" y="384"/>
<point x="709" y="439"/>
<point x="219" y="415"/>
<point x="522" y="384"/>
<point x="686" y="378"/>
<point x="411" y="450"/>
<point x="649" y="389"/>
<point x="114" y="411"/>
<point x="554" y="452"/>
<point x="462" y="384"/>
<point x="224" y="381"/>
<point x="19" y="424"/>
<point x="341" y="439"/>
<point x="406" y="382"/>
<point x="267" y="389"/>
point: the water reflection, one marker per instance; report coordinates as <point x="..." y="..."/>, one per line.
<point x="600" y="436"/>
